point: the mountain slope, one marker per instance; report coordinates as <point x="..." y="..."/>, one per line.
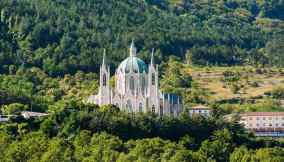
<point x="63" y="36"/>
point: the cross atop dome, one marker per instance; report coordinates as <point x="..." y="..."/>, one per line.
<point x="132" y="49"/>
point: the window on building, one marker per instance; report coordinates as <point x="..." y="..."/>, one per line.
<point x="276" y="124"/>
<point x="129" y="106"/>
<point x="104" y="79"/>
<point x="264" y="124"/>
<point x="257" y="125"/>
<point x="171" y="110"/>
<point x="270" y="124"/>
<point x="270" y="118"/>
<point x="257" y="118"/>
<point x="263" y="118"/>
<point x="250" y="125"/>
<point x="250" y="118"/>
<point x="283" y="124"/>
<point x="143" y="83"/>
<point x="161" y="110"/>
<point x="153" y="79"/>
<point x="131" y="83"/>
<point x="153" y="108"/>
<point x="140" y="107"/>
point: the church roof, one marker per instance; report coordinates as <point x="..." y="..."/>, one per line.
<point x="132" y="63"/>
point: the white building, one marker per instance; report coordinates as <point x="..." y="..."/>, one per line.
<point x="200" y="110"/>
<point x="136" y="88"/>
<point x="30" y="114"/>
<point x="3" y="119"/>
<point x="264" y="123"/>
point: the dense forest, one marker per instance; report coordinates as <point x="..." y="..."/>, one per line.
<point x="77" y="132"/>
<point x="50" y="52"/>
<point x="63" y="36"/>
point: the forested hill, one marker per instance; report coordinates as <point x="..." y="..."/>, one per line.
<point x="63" y="36"/>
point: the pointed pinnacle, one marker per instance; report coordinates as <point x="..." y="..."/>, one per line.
<point x="152" y="56"/>
<point x="104" y="56"/>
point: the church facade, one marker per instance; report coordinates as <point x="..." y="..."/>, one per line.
<point x="136" y="88"/>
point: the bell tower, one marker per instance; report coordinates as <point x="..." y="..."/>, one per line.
<point x="104" y="90"/>
<point x="153" y="90"/>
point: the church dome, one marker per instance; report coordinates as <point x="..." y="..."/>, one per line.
<point x="132" y="63"/>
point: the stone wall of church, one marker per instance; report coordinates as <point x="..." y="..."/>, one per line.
<point x="131" y="103"/>
<point x="131" y="83"/>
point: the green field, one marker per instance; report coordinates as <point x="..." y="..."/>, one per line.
<point x="252" y="83"/>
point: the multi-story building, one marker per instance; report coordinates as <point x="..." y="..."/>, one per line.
<point x="136" y="88"/>
<point x="264" y="123"/>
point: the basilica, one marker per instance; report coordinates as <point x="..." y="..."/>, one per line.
<point x="136" y="88"/>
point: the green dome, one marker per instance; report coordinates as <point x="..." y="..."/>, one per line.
<point x="132" y="63"/>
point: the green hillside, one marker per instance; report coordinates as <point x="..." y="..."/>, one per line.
<point x="63" y="36"/>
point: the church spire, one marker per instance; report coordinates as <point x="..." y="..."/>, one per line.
<point x="132" y="49"/>
<point x="104" y="57"/>
<point x="152" y="56"/>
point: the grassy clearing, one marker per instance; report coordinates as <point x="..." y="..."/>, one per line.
<point x="252" y="82"/>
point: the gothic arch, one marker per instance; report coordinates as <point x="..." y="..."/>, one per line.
<point x="129" y="106"/>
<point x="104" y="79"/>
<point x="131" y="83"/>
<point x="153" y="79"/>
<point x="140" y="107"/>
<point x="153" y="108"/>
<point x="161" y="110"/>
<point x="143" y="83"/>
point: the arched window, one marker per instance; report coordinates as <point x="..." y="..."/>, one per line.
<point x="140" y="107"/>
<point x="171" y="110"/>
<point x="153" y="108"/>
<point x="131" y="83"/>
<point x="104" y="79"/>
<point x="143" y="83"/>
<point x="153" y="79"/>
<point x="161" y="110"/>
<point x="129" y="106"/>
